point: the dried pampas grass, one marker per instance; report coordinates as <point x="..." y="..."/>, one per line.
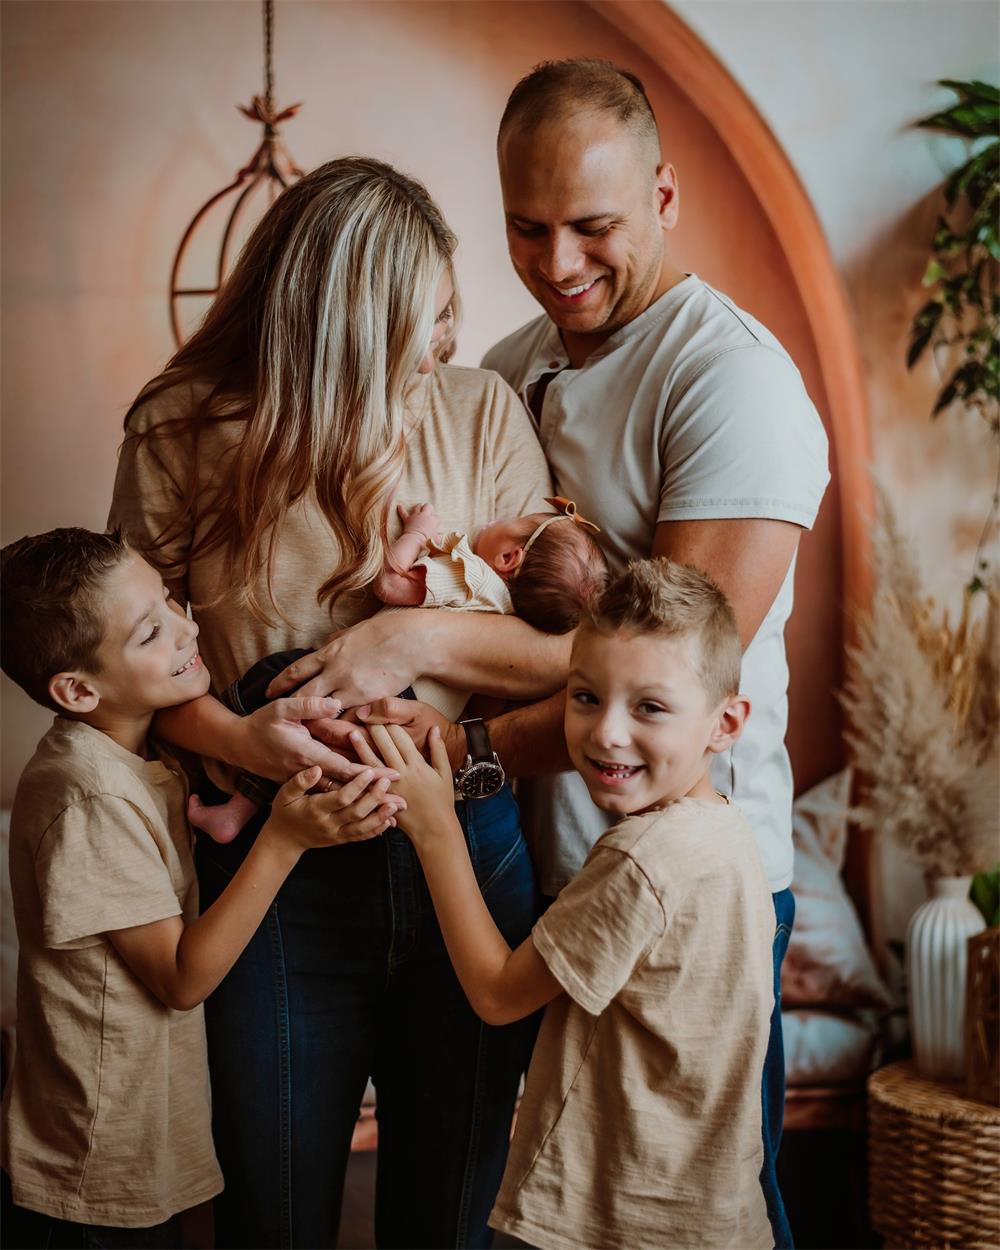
<point x="923" y="698"/>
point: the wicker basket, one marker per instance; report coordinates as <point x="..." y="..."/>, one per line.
<point x="934" y="1161"/>
<point x="982" y="1018"/>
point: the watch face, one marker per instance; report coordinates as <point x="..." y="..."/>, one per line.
<point x="481" y="779"/>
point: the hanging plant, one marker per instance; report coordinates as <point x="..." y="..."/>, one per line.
<point x="963" y="313"/>
<point x="961" y="320"/>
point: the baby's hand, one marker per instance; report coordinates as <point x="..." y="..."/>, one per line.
<point x="421" y="520"/>
<point x="352" y="812"/>
<point x="428" y="789"/>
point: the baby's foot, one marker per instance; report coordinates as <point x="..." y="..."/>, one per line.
<point x="224" y="822"/>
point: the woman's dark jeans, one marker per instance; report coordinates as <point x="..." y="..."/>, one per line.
<point x="346" y="978"/>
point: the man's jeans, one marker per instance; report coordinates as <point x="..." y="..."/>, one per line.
<point x="773" y="1099"/>
<point x="346" y="978"/>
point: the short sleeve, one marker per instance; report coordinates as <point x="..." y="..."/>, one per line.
<point x="600" y="928"/>
<point x="150" y="485"/>
<point x="98" y="868"/>
<point x="743" y="440"/>
<point x="522" y="476"/>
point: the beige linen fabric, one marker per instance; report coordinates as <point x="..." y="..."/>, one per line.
<point x="693" y="411"/>
<point x="107" y="1114"/>
<point x="640" y="1124"/>
<point x="456" y="577"/>
<point x="473" y="453"/>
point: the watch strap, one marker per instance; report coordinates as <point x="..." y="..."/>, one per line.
<point x="478" y="738"/>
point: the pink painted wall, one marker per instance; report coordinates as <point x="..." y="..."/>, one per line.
<point x="119" y="120"/>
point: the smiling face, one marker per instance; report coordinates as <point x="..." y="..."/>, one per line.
<point x="148" y="658"/>
<point x="639" y="726"/>
<point x="587" y="209"/>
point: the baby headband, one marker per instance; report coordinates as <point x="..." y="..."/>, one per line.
<point x="565" y="511"/>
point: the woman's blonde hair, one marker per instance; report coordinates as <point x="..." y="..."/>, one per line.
<point x="313" y="342"/>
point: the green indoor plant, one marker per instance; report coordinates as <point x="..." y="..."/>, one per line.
<point x="960" y="322"/>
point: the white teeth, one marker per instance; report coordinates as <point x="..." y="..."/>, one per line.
<point x="575" y="290"/>
<point x="184" y="667"/>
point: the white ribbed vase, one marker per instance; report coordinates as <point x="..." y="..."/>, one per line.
<point x="935" y="974"/>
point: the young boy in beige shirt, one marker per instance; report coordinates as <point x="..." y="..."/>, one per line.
<point x="106" y="1116"/>
<point x="640" y="1123"/>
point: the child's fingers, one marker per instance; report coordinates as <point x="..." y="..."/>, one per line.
<point x="404" y="513"/>
<point x="386" y="746"/>
<point x="295" y="787"/>
<point x="339" y="797"/>
<point x="439" y="756"/>
<point x="363" y="750"/>
<point x="404" y="744"/>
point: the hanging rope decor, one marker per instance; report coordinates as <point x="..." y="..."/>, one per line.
<point x="271" y="165"/>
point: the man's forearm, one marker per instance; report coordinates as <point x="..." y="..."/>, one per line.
<point x="530" y="741"/>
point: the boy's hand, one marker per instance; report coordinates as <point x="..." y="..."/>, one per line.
<point x="428" y="789"/>
<point x="421" y="520"/>
<point x="352" y="812"/>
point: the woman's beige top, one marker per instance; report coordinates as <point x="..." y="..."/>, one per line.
<point x="473" y="454"/>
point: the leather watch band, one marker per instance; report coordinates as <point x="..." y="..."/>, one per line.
<point x="478" y="738"/>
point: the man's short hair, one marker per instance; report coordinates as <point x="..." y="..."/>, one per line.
<point x="50" y="604"/>
<point x="555" y="89"/>
<point x="670" y="600"/>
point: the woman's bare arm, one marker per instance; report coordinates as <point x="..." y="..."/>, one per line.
<point x="481" y="651"/>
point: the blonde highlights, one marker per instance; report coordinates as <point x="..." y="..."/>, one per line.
<point x="313" y="342"/>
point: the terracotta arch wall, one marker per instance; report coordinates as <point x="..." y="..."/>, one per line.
<point x="119" y="120"/>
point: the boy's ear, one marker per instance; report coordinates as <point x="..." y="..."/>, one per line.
<point x="508" y="562"/>
<point x="729" y="723"/>
<point x="74" y="692"/>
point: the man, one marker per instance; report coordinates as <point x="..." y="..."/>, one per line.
<point x="670" y="416"/>
<point x="673" y="419"/>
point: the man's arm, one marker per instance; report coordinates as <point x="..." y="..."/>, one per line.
<point x="748" y="559"/>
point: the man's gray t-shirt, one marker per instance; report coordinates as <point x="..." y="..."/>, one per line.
<point x="693" y="411"/>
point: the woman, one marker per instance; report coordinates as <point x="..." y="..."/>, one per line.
<point x="259" y="472"/>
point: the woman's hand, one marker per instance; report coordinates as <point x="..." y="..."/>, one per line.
<point x="275" y="741"/>
<point x="428" y="789"/>
<point x="375" y="658"/>
<point x="358" y="810"/>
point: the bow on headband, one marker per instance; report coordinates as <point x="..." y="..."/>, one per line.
<point x="565" y="511"/>
<point x="566" y="507"/>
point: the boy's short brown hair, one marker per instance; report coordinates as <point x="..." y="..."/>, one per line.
<point x="50" y="607"/>
<point x="664" y="598"/>
<point x="562" y="571"/>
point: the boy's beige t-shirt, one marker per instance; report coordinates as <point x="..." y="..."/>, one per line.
<point x="640" y="1124"/>
<point x="472" y="452"/>
<point x="107" y="1115"/>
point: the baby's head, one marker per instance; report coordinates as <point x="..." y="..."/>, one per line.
<point x="653" y="687"/>
<point x="551" y="564"/>
<point x="87" y="624"/>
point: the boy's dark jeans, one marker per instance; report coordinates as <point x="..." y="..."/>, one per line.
<point x="30" y="1230"/>
<point x="348" y="978"/>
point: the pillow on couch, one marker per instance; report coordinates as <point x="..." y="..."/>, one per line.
<point x="828" y="963"/>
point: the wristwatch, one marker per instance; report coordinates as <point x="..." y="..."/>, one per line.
<point x="482" y="775"/>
